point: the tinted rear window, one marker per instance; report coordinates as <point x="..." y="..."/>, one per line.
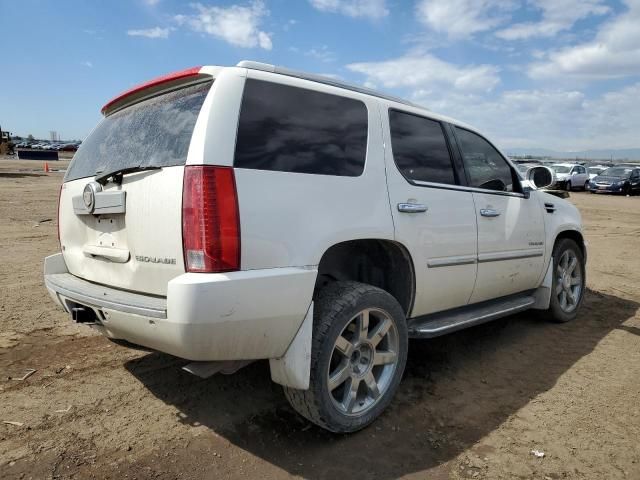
<point x="153" y="132"/>
<point x="420" y="148"/>
<point x="291" y="129"/>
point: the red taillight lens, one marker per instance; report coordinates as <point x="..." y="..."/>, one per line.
<point x="210" y="220"/>
<point x="59" y="200"/>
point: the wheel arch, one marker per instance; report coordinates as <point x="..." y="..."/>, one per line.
<point x="383" y="263"/>
<point x="574" y="235"/>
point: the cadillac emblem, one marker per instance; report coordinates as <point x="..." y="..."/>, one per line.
<point x="89" y="195"/>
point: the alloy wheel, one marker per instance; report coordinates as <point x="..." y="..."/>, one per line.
<point x="363" y="362"/>
<point x="568" y="281"/>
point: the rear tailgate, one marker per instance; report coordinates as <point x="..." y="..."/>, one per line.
<point x="131" y="236"/>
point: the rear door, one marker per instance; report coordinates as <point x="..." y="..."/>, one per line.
<point x="510" y="226"/>
<point x="433" y="218"/>
<point x="131" y="236"/>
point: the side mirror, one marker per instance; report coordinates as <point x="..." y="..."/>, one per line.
<point x="540" y="177"/>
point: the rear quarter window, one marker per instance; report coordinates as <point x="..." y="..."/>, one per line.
<point x="153" y="132"/>
<point x="291" y="129"/>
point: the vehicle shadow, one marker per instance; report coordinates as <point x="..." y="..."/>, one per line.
<point x="456" y="390"/>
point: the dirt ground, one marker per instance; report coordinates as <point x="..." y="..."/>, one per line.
<point x="473" y="404"/>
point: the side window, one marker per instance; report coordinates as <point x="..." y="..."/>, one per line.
<point x="486" y="167"/>
<point x="292" y="129"/>
<point x="420" y="148"/>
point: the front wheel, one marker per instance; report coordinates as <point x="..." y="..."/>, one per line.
<point x="568" y="285"/>
<point x="626" y="190"/>
<point x="586" y="185"/>
<point x="568" y="186"/>
<point x="358" y="355"/>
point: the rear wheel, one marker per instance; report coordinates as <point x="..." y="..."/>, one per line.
<point x="586" y="185"/>
<point x="358" y="356"/>
<point x="568" y="186"/>
<point x="568" y="285"/>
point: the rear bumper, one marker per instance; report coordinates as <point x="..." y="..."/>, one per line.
<point x="244" y="315"/>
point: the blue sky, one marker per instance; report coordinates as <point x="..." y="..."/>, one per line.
<point x="562" y="74"/>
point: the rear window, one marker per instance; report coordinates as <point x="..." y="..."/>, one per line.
<point x="153" y="132"/>
<point x="291" y="129"/>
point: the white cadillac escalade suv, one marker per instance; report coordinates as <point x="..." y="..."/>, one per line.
<point x="229" y="214"/>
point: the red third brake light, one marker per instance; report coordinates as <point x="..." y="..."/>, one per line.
<point x="171" y="77"/>
<point x="210" y="220"/>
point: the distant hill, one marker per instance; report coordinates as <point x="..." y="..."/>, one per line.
<point x="617" y="154"/>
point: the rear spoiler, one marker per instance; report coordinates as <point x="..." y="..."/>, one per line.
<point x="155" y="86"/>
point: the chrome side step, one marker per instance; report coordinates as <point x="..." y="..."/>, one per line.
<point x="441" y="323"/>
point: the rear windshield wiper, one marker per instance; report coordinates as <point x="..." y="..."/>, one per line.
<point x="116" y="175"/>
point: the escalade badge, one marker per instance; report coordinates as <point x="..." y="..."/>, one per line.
<point x="145" y="259"/>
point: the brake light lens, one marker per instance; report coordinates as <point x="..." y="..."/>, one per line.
<point x="59" y="200"/>
<point x="171" y="77"/>
<point x="210" y="220"/>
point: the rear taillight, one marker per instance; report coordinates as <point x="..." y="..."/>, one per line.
<point x="59" y="200"/>
<point x="210" y="220"/>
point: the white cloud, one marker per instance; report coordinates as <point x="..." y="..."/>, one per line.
<point x="236" y="24"/>
<point x="321" y="53"/>
<point x="155" y="32"/>
<point x="557" y="15"/>
<point x="463" y="18"/>
<point x="151" y="3"/>
<point x="353" y="8"/>
<point x="87" y="64"/>
<point x="613" y="53"/>
<point x="565" y="120"/>
<point x="426" y="72"/>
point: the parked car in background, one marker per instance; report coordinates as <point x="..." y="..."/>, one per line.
<point x="299" y="219"/>
<point x="595" y="170"/>
<point x="69" y="147"/>
<point x="570" y="176"/>
<point x="624" y="180"/>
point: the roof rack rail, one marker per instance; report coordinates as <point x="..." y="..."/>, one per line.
<point x="267" y="67"/>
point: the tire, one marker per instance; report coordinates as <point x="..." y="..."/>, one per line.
<point x="564" y="311"/>
<point x="586" y="185"/>
<point x="567" y="186"/>
<point x="626" y="190"/>
<point x="337" y="347"/>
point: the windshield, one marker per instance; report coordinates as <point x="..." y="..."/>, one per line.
<point x="155" y="132"/>
<point x="561" y="168"/>
<point x="595" y="170"/>
<point x="617" y="172"/>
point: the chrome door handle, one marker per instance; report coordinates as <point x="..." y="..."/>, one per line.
<point x="489" y="212"/>
<point x="412" y="207"/>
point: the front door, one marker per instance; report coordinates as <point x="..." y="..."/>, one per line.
<point x="510" y="227"/>
<point x="433" y="218"/>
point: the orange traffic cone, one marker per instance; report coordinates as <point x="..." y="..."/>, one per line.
<point x="46" y="167"/>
